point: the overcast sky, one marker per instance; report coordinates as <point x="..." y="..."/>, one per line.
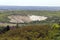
<point x="30" y="2"/>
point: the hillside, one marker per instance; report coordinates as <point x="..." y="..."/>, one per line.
<point x="33" y="32"/>
<point x="48" y="29"/>
<point x="51" y="14"/>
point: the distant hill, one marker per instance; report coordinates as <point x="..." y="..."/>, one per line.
<point x="29" y="8"/>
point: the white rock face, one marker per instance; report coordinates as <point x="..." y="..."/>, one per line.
<point x="37" y="18"/>
<point x="29" y="18"/>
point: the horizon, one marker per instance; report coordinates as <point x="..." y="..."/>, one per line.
<point x="29" y="6"/>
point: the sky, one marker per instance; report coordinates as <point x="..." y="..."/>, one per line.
<point x="30" y="2"/>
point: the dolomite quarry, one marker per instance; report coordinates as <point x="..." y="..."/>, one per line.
<point x="25" y="19"/>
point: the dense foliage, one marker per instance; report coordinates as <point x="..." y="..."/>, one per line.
<point x="33" y="32"/>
